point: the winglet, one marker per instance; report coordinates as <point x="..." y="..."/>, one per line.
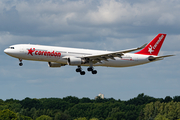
<point x="142" y="46"/>
<point x="131" y="50"/>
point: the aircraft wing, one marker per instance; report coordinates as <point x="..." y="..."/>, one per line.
<point x="98" y="58"/>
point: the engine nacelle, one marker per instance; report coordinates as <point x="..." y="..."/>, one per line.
<point x="76" y="61"/>
<point x="151" y="58"/>
<point x="54" y="64"/>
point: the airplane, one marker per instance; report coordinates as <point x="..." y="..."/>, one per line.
<point x="61" y="56"/>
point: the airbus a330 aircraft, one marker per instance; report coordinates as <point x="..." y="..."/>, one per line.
<point x="61" y="56"/>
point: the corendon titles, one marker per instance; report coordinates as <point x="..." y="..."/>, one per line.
<point x="156" y="44"/>
<point x="44" y="53"/>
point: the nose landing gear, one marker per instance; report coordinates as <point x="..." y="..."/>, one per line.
<point x="20" y="64"/>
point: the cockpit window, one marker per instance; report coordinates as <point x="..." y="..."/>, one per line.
<point x="11" y="47"/>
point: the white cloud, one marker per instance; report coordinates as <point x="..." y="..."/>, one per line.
<point x="166" y="19"/>
<point x="52" y="18"/>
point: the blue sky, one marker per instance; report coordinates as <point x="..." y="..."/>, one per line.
<point x="93" y="24"/>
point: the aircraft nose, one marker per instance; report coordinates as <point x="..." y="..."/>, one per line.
<point x="6" y="51"/>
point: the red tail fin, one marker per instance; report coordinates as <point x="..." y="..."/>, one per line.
<point x="154" y="46"/>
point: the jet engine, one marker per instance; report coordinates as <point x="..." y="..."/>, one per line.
<point x="76" y="61"/>
<point x="54" y="64"/>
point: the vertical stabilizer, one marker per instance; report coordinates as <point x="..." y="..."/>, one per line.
<point x="154" y="46"/>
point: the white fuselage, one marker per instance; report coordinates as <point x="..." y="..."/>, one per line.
<point x="59" y="55"/>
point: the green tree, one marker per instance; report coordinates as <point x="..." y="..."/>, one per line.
<point x="62" y="116"/>
<point x="71" y="99"/>
<point x="149" y="111"/>
<point x="55" y="103"/>
<point x="7" y="115"/>
<point x="176" y="98"/>
<point x="160" y="117"/>
<point x="58" y="116"/>
<point x="170" y="110"/>
<point x="81" y="118"/>
<point x="33" y="113"/>
<point x="1" y="102"/>
<point x="24" y="112"/>
<point x="94" y="119"/>
<point x="44" y="117"/>
<point x="116" y="114"/>
<point x="85" y="100"/>
<point x="30" y="103"/>
<point x="114" y="110"/>
<point x="15" y="107"/>
<point x="141" y="99"/>
<point x="22" y="117"/>
<point x="167" y="99"/>
<point x="99" y="100"/>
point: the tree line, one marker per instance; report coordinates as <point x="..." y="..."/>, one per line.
<point x="142" y="107"/>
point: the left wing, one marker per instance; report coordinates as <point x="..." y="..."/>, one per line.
<point x="98" y="58"/>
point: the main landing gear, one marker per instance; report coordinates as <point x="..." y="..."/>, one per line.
<point x="92" y="70"/>
<point x="79" y="69"/>
<point x="20" y="64"/>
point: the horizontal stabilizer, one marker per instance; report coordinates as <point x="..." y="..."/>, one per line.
<point x="152" y="58"/>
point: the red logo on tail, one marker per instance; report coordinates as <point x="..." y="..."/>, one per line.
<point x="150" y="49"/>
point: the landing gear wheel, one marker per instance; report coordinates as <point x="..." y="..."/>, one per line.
<point x="20" y="60"/>
<point x="90" y="69"/>
<point x="20" y="64"/>
<point x="78" y="70"/>
<point x="94" y="72"/>
<point x="82" y="73"/>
